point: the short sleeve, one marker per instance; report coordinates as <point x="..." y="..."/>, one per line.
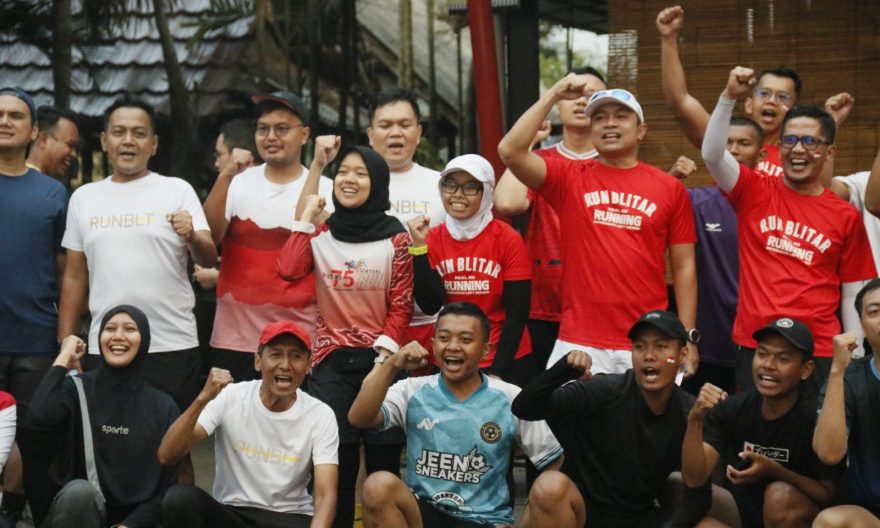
<point x="325" y="436"/>
<point x="214" y="412"/>
<point x="516" y="265"/>
<point x="538" y="442"/>
<point x="60" y="219"/>
<point x="555" y="186"/>
<point x="396" y="402"/>
<point x="190" y="203"/>
<point x="681" y="225"/>
<point x="717" y="430"/>
<point x="72" y="238"/>
<point x="739" y="196"/>
<point x="235" y="187"/>
<point x="856" y="260"/>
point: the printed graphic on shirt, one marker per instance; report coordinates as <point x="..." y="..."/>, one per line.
<point x="468" y="284"/>
<point x="621" y="210"/>
<point x="411" y="207"/>
<point x="467" y="469"/>
<point x="793" y="238"/>
<point x="779" y="454"/>
<point x="713" y="227"/>
<point x="265" y="454"/>
<point x="122" y="220"/>
<point x="768" y="168"/>
<point x="355" y="274"/>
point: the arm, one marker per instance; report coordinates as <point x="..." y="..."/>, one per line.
<point x="698" y="458"/>
<point x="324" y="493"/>
<point x="511" y="195"/>
<point x="427" y="286"/>
<point x="830" y="436"/>
<point x="60" y="263"/>
<point x="872" y="193"/>
<point x="326" y="149"/>
<point x="296" y="260"/>
<point x="690" y="114"/>
<point x="550" y="396"/>
<point x="684" y="282"/>
<point x="400" y="296"/>
<point x="49" y="406"/>
<point x="366" y="412"/>
<point x="215" y="203"/>
<point x="820" y="491"/>
<point x="517" y="300"/>
<point x="721" y="163"/>
<point x="74" y="288"/>
<point x="200" y="244"/>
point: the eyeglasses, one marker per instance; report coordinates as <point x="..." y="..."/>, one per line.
<point x="616" y="93"/>
<point x="809" y="142"/>
<point x="783" y="98"/>
<point x="280" y="130"/>
<point x="468" y="189"/>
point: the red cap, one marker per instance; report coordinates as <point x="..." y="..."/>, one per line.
<point x="273" y="330"/>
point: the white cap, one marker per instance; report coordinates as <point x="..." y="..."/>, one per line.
<point x="473" y="164"/>
<point x="615" y="95"/>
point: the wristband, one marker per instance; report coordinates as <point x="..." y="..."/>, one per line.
<point x="416" y="251"/>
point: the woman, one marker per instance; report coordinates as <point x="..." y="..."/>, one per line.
<point x="128" y="418"/>
<point x="474" y="257"/>
<point x="364" y="296"/>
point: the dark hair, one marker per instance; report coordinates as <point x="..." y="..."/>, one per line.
<point x="469" y="309"/>
<point x="589" y="70"/>
<point x="826" y="122"/>
<point x="48" y="117"/>
<point x="239" y="133"/>
<point x="872" y="285"/>
<point x="782" y="71"/>
<point x="394" y="95"/>
<point x="129" y="101"/>
<point x="749" y="122"/>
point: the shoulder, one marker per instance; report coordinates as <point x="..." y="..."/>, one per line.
<point x="315" y="408"/>
<point x="709" y="194"/>
<point x="170" y="182"/>
<point x="44" y="181"/>
<point x="425" y="172"/>
<point x="247" y="177"/>
<point x="508" y="390"/>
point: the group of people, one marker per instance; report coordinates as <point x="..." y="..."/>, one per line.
<point x="386" y="310"/>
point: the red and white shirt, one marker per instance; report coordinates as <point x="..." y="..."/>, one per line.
<point x="772" y="164"/>
<point x="542" y="241"/>
<point x="794" y="252"/>
<point x="364" y="290"/>
<point x="475" y="271"/>
<point x="616" y="225"/>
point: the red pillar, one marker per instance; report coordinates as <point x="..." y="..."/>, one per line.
<point x="488" y="100"/>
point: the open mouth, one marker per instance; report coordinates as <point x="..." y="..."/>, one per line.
<point x="611" y="136"/>
<point x="766" y="380"/>
<point x="798" y="163"/>
<point x="768" y="115"/>
<point x="118" y="350"/>
<point x="453" y="363"/>
<point x="396" y="146"/>
<point x="349" y="191"/>
<point x="458" y="206"/>
<point x="283" y="382"/>
<point x="650" y="373"/>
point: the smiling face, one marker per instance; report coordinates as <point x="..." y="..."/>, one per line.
<point x="352" y="183"/>
<point x="129" y="142"/>
<point x="778" y="367"/>
<point x="801" y="166"/>
<point x="615" y="130"/>
<point x="460" y="204"/>
<point x="120" y="339"/>
<point x="59" y="148"/>
<point x="283" y="364"/>
<point x="651" y="354"/>
<point x="395" y="133"/>
<point x="571" y="112"/>
<point x="459" y="345"/>
<point x="280" y="136"/>
<point x="769" y="110"/>
<point x="17" y="127"/>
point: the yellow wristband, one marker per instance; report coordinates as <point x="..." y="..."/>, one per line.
<point x="416" y="251"/>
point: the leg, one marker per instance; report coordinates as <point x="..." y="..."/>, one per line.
<point x="847" y="516"/>
<point x="723" y="512"/>
<point x="388" y="503"/>
<point x="77" y="504"/>
<point x="786" y="506"/>
<point x="349" y="464"/>
<point x="554" y="501"/>
<point x="187" y="506"/>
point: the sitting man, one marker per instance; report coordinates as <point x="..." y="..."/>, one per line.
<point x="622" y="435"/>
<point x="459" y="428"/>
<point x="762" y="436"/>
<point x="269" y="436"/>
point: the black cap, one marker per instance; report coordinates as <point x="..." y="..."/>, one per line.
<point x="287" y="99"/>
<point x="666" y="322"/>
<point x="792" y="330"/>
<point x="24" y="96"/>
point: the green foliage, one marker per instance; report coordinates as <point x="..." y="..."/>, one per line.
<point x="553" y="55"/>
<point x="426" y="155"/>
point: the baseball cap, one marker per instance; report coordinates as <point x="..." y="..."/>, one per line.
<point x="666" y="322"/>
<point x="615" y="95"/>
<point x="273" y="330"/>
<point x="21" y="94"/>
<point x="792" y="330"/>
<point x="473" y="164"/>
<point x="288" y="99"/>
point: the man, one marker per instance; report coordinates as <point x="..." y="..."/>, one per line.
<point x="762" y="436"/>
<point x="32" y="211"/>
<point x="513" y="198"/>
<point x="460" y="431"/>
<point x="54" y="151"/>
<point x="394" y="133"/>
<point x="615" y="213"/>
<point x="128" y="239"/>
<point x="621" y="433"/>
<point x="270" y="435"/>
<point x="849" y="420"/>
<point x="251" y="211"/>
<point x="797" y="241"/>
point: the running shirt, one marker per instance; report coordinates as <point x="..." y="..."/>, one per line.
<point x="795" y="251"/>
<point x="616" y="225"/>
<point x="458" y="452"/>
<point x="475" y="270"/>
<point x="772" y="164"/>
<point x="542" y="240"/>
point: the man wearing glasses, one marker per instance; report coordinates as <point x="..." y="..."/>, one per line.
<point x="251" y="214"/>
<point x="797" y="241"/>
<point x="618" y="218"/>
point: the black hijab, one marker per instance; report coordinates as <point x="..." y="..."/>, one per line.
<point x="131" y="374"/>
<point x="369" y="222"/>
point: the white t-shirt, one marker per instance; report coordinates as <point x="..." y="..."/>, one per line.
<point x="858" y="184"/>
<point x="262" y="458"/>
<point x="417" y="192"/>
<point x="134" y="256"/>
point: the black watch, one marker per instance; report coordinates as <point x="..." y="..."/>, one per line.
<point x="694" y="336"/>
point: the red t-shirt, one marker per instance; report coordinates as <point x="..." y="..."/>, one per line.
<point x="772" y="164"/>
<point x="475" y="270"/>
<point x="616" y="226"/>
<point x="542" y="241"/>
<point x="794" y="252"/>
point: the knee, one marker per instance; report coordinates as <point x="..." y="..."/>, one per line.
<point x="550" y="488"/>
<point x="179" y="497"/>
<point x="783" y="504"/>
<point x="830" y="518"/>
<point x="379" y="489"/>
<point x="77" y="494"/>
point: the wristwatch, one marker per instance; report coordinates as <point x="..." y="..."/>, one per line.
<point x="694" y="336"/>
<point x="381" y="359"/>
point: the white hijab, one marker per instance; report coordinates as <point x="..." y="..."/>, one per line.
<point x="481" y="169"/>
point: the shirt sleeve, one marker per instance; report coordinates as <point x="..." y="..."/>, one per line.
<point x="721" y="163"/>
<point x="400" y="298"/>
<point x="741" y="194"/>
<point x="556" y="392"/>
<point x="555" y="186"/>
<point x="856" y="260"/>
<point x="395" y="404"/>
<point x="72" y="238"/>
<point x="325" y="437"/>
<point x="538" y="442"/>
<point x="60" y="220"/>
<point x="212" y="414"/>
<point x="191" y="204"/>
<point x="717" y="430"/>
<point x="682" y="228"/>
<point x="231" y="195"/>
<point x="296" y="260"/>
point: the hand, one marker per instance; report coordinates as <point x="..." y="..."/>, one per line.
<point x="217" y="380"/>
<point x="206" y="277"/>
<point x="239" y="160"/>
<point x="709" y="397"/>
<point x="581" y="361"/>
<point x="739" y="83"/>
<point x="182" y="223"/>
<point x="761" y="467"/>
<point x="839" y="106"/>
<point x="314" y="205"/>
<point x="418" y="229"/>
<point x="72" y="350"/>
<point x="411" y="356"/>
<point x="670" y="20"/>
<point x="570" y="87"/>
<point x="542" y="133"/>
<point x="692" y="361"/>
<point x="843" y="346"/>
<point x="683" y="167"/>
<point x="326" y="148"/>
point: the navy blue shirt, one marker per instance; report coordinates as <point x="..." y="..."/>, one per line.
<point x="717" y="274"/>
<point x="33" y="208"/>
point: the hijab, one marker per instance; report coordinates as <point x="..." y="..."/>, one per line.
<point x="121" y="378"/>
<point x="368" y="222"/>
<point x="481" y="169"/>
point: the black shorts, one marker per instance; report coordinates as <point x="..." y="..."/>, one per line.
<point x="436" y="517"/>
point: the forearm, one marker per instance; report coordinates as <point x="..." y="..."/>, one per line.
<point x="830" y="436"/>
<point x="427" y="286"/>
<point x="534" y="401"/>
<point x="70" y="304"/>
<point x="690" y="114"/>
<point x="511" y="195"/>
<point x="325" y="510"/>
<point x="516" y="299"/>
<point x="695" y="469"/>
<point x="310" y="187"/>
<point x="48" y="408"/>
<point x="821" y="493"/>
<point x="684" y="280"/>
<point x="515" y="148"/>
<point x="721" y="164"/>
<point x="203" y="249"/>
<point x="180" y="437"/>
<point x="295" y="260"/>
<point x="215" y="208"/>
<point x="400" y="295"/>
<point x="364" y="412"/>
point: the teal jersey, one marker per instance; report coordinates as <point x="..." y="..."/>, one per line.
<point x="458" y="452"/>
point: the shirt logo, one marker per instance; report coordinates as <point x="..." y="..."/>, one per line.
<point x="117" y="430"/>
<point x="713" y="228"/>
<point x="779" y="454"/>
<point x="792" y="238"/>
<point x="428" y="423"/>
<point x="467" y="469"/>
<point x="490" y="432"/>
<point x="448" y="500"/>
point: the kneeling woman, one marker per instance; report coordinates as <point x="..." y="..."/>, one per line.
<point x="127" y="418"/>
<point x="474" y="257"/>
<point x="364" y="295"/>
